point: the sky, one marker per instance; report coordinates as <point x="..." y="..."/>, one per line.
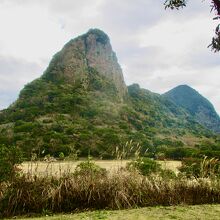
<point x="156" y="48"/>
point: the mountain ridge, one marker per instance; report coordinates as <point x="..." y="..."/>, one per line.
<point x="197" y="105"/>
<point x="81" y="105"/>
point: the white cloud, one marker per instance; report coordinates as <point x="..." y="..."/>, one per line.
<point x="29" y="32"/>
<point x="14" y="74"/>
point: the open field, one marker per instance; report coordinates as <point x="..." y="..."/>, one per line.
<point x="61" y="167"/>
<point x="203" y="212"/>
<point x="170" y="165"/>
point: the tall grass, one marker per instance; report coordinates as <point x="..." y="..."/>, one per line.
<point x="94" y="190"/>
<point x="209" y="167"/>
<point x="201" y="168"/>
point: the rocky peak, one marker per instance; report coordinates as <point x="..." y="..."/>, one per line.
<point x="91" y="50"/>
<point x="98" y="35"/>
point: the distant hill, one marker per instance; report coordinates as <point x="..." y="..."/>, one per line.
<point x="196" y="105"/>
<point x="81" y="105"/>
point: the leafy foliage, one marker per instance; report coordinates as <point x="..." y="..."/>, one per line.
<point x="215" y="44"/>
<point x="9" y="158"/>
<point x="204" y="168"/>
<point x="175" y="4"/>
<point x="74" y="109"/>
<point x="196" y="105"/>
<point x="93" y="120"/>
<point x="144" y="165"/>
<point x="89" y="168"/>
<point x="215" y="5"/>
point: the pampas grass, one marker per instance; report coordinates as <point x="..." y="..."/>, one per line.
<point x="82" y="191"/>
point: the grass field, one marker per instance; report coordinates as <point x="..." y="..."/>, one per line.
<point x="60" y="167"/>
<point x="203" y="212"/>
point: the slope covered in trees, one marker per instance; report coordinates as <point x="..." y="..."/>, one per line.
<point x="81" y="105"/>
<point x="196" y="105"/>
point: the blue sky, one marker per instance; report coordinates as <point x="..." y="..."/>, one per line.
<point x="157" y="48"/>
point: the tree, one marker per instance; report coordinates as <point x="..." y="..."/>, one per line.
<point x="215" y="5"/>
<point x="10" y="156"/>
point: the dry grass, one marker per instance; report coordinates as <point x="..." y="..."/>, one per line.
<point x="170" y="165"/>
<point x="90" y="191"/>
<point x="95" y="189"/>
<point x="59" y="168"/>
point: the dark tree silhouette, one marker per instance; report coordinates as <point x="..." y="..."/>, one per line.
<point x="175" y="4"/>
<point x="215" y="5"/>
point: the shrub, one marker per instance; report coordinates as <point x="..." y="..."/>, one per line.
<point x="167" y="174"/>
<point x="89" y="168"/>
<point x="9" y="157"/>
<point x="200" y="167"/>
<point x="190" y="167"/>
<point x="24" y="127"/>
<point x="144" y="165"/>
<point x="180" y="153"/>
<point x="61" y="156"/>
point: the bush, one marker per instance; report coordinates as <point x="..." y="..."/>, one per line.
<point x="144" y="165"/>
<point x="89" y="168"/>
<point x="200" y="167"/>
<point x="180" y="153"/>
<point x="61" y="156"/>
<point x="190" y="167"/>
<point x="9" y="157"/>
<point x="167" y="174"/>
<point x="24" y="127"/>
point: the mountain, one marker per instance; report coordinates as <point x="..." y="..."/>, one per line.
<point x="81" y="105"/>
<point x="83" y="55"/>
<point x="196" y="105"/>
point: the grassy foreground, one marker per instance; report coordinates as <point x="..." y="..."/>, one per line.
<point x="205" y="212"/>
<point x="91" y="187"/>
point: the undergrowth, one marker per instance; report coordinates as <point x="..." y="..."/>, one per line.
<point x="92" y="188"/>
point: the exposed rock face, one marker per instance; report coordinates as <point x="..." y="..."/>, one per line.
<point x="91" y="50"/>
<point x="196" y="105"/>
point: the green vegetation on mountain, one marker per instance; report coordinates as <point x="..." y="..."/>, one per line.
<point x="81" y="105"/>
<point x="196" y="105"/>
